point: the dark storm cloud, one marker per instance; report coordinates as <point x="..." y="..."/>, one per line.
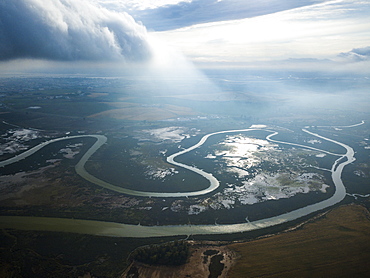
<point x="204" y="11"/>
<point x="68" y="30"/>
<point x="357" y="54"/>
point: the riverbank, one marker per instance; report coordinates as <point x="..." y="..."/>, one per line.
<point x="335" y="244"/>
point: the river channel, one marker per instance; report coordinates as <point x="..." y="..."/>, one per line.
<point x="102" y="228"/>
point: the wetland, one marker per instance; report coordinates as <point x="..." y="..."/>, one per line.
<point x="196" y="175"/>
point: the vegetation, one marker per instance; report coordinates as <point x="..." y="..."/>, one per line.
<point x="336" y="245"/>
<point x="52" y="254"/>
<point x="171" y="253"/>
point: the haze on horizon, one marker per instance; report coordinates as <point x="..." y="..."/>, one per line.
<point x="174" y="42"/>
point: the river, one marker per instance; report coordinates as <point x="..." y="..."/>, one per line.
<point x="102" y="228"/>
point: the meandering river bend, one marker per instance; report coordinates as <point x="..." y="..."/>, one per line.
<point x="102" y="228"/>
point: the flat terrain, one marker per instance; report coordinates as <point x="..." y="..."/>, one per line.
<point x="139" y="112"/>
<point x="144" y="126"/>
<point x="336" y="245"/>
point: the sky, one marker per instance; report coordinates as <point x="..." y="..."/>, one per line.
<point x="298" y="35"/>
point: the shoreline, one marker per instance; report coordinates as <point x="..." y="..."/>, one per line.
<point x="231" y="256"/>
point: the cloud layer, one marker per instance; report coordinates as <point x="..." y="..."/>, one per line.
<point x="305" y="37"/>
<point x="69" y="30"/>
<point x="187" y="13"/>
<point x="357" y="54"/>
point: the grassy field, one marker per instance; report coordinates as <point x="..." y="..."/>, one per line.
<point x="337" y="245"/>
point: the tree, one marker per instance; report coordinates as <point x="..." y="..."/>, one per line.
<point x="171" y="253"/>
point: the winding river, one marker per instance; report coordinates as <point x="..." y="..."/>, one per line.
<point x="102" y="228"/>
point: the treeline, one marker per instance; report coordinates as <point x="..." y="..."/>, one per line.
<point x="171" y="253"/>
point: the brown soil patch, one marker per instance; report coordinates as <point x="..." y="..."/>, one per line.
<point x="337" y="245"/>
